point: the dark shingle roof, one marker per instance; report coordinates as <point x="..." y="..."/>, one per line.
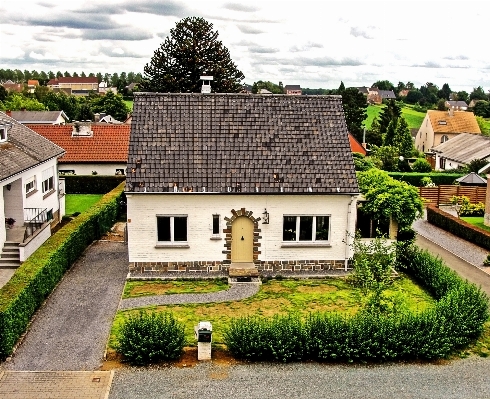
<point x="37" y="116"/>
<point x="237" y="142"/>
<point x="23" y="149"/>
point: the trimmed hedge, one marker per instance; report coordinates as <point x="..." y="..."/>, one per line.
<point x="456" y="320"/>
<point x="40" y="273"/>
<point x="75" y="184"/>
<point x="415" y="179"/>
<point x="458" y="227"/>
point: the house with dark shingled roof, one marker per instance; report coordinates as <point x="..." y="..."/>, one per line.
<point x="29" y="190"/>
<point x="222" y="182"/>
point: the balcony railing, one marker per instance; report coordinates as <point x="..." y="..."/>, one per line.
<point x="34" y="218"/>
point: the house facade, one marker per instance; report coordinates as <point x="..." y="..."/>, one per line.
<point x="293" y="90"/>
<point x="461" y="150"/>
<point x="440" y="126"/>
<point x="77" y="86"/>
<point x="217" y="181"/>
<point x="29" y="187"/>
<point x="90" y="148"/>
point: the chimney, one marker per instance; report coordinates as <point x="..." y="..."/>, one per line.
<point x="206" y="84"/>
<point x="8" y="113"/>
<point x="82" y="129"/>
<point x="96" y="117"/>
<point x="451" y="111"/>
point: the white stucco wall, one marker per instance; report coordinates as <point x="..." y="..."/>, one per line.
<point x="199" y="208"/>
<point x="105" y="169"/>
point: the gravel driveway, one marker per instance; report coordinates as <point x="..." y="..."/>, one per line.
<point x="70" y="330"/>
<point x="462" y="379"/>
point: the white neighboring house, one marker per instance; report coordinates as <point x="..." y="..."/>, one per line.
<point x="222" y="182"/>
<point x="39" y="117"/>
<point x="461" y="150"/>
<point x="30" y="192"/>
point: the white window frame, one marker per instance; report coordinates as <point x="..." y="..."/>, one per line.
<point x="34" y="185"/>
<point x="297" y="241"/>
<point x="48" y="180"/>
<point x="172" y="241"/>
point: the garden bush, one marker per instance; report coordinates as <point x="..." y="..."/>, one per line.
<point x="415" y="178"/>
<point x="34" y="280"/>
<point x="150" y="337"/>
<point x="457" y="319"/>
<point x="94" y="184"/>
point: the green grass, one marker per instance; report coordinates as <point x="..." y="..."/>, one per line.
<point x="476" y="221"/>
<point x="80" y="202"/>
<point x="138" y="288"/>
<point x="280" y="297"/>
<point x="414" y="118"/>
<point x="129" y="104"/>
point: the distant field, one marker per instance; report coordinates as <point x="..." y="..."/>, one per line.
<point x="413" y="118"/>
<point x="129" y="104"/>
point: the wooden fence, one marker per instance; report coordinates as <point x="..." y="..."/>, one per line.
<point x="441" y="195"/>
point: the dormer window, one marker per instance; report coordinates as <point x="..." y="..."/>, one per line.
<point x="3" y="134"/>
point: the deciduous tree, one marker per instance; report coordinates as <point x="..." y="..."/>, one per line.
<point x="191" y="50"/>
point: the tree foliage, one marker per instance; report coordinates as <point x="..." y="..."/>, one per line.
<point x="191" y="50"/>
<point x="389" y="198"/>
<point x="354" y="104"/>
<point x="272" y="87"/>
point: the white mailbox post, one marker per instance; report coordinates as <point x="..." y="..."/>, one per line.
<point x="203" y="333"/>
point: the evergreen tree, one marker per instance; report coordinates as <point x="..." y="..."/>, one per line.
<point x="373" y="135"/>
<point x="191" y="50"/>
<point x="354" y="104"/>
<point x="403" y="138"/>
<point x="391" y="111"/>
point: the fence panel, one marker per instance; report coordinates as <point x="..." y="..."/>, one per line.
<point x="441" y="195"/>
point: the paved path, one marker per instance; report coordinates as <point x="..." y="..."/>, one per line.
<point x="55" y="385"/>
<point x="71" y="329"/>
<point x="236" y="292"/>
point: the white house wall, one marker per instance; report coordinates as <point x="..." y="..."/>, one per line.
<point x="104" y="169"/>
<point x="199" y="208"/>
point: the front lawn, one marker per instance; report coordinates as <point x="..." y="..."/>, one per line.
<point x="78" y="203"/>
<point x="276" y="297"/>
<point x="476" y="221"/>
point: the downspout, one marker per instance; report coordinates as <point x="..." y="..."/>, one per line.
<point x="347" y="233"/>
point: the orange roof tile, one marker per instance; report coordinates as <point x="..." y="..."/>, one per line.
<point x="459" y="122"/>
<point x="109" y="143"/>
<point x="355" y="146"/>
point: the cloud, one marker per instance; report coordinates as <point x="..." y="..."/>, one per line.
<point x="263" y="50"/>
<point x="156" y="7"/>
<point x="358" y="32"/>
<point x="428" y="64"/>
<point x="249" y="30"/>
<point x="305" y="47"/>
<point x="117" y="34"/>
<point x="68" y="20"/>
<point x="42" y="57"/>
<point x="456" y="58"/>
<point x="118" y="52"/>
<point x="240" y="7"/>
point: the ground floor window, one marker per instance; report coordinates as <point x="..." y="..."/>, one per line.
<point x="306" y="228"/>
<point x="370" y="228"/>
<point x="172" y="228"/>
<point x="215" y="224"/>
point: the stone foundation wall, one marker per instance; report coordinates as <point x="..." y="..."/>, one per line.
<point x="219" y="266"/>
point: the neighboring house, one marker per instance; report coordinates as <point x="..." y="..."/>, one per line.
<point x="31" y="85"/>
<point x="403" y="93"/>
<point x="101" y="148"/>
<point x="376" y="96"/>
<point x="222" y="182"/>
<point x="39" y="117"/>
<point x="461" y="150"/>
<point x="292" y="90"/>
<point x="456" y="105"/>
<point x="364" y="90"/>
<point x="440" y="126"/>
<point x="103" y="118"/>
<point x="355" y="146"/>
<point x="264" y="91"/>
<point x="104" y="88"/>
<point x="29" y="187"/>
<point x="77" y="86"/>
<point x="12" y="87"/>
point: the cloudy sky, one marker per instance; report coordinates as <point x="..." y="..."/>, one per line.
<point x="311" y="43"/>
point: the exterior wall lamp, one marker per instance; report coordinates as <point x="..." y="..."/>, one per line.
<point x="266" y="216"/>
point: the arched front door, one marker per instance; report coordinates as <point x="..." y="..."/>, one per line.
<point x="242" y="240"/>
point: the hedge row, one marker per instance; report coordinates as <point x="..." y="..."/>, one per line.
<point x="86" y="184"/>
<point x="415" y="179"/>
<point x="458" y="227"/>
<point x="457" y="318"/>
<point x="40" y="273"/>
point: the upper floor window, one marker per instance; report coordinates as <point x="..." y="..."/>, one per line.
<point x="444" y="139"/>
<point x="48" y="180"/>
<point x="31" y="185"/>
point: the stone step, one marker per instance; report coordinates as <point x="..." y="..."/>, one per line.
<point x="243" y="270"/>
<point x="4" y="260"/>
<point x="11" y="265"/>
<point x="9" y="254"/>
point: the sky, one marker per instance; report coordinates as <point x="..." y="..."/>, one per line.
<point x="315" y="44"/>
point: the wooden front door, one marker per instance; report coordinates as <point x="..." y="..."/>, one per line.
<point x="242" y="240"/>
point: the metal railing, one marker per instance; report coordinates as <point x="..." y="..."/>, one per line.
<point x="34" y="218"/>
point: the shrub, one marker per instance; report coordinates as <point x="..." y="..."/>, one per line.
<point x="91" y="184"/>
<point x="150" y="337"/>
<point x="415" y="178"/>
<point x="34" y="280"/>
<point x="421" y="165"/>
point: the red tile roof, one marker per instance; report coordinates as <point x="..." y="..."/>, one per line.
<point x="355" y="146"/>
<point x="72" y="80"/>
<point x="109" y="143"/>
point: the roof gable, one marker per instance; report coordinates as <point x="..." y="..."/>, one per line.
<point x="38" y="116"/>
<point x="453" y="122"/>
<point x="108" y="143"/>
<point x="464" y="148"/>
<point x="239" y="143"/>
<point x="23" y="149"/>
